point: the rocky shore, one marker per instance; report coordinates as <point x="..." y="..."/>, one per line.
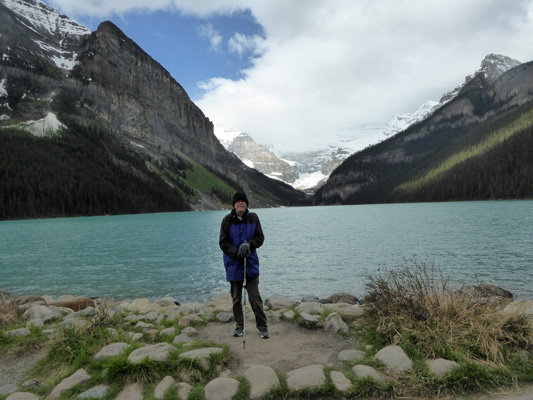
<point x="198" y="335"/>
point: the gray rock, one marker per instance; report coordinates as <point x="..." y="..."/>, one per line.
<point x="182" y="338"/>
<point x="137" y="336"/>
<point x="310" y="308"/>
<point x="18" y="332"/>
<point x="190" y="331"/>
<point x="310" y="321"/>
<point x="191" y="308"/>
<point x="37" y="322"/>
<point x="132" y="391"/>
<point x="335" y="324"/>
<point x="183" y="390"/>
<point x="66" y="297"/>
<point x="309" y="299"/>
<point x="351" y="313"/>
<point x="343" y="297"/>
<point x="111" y="350"/>
<point x="364" y="371"/>
<point x="221" y="389"/>
<point x="8" y="389"/>
<point x="144" y="306"/>
<point x="394" y="358"/>
<point x="351" y="355"/>
<point x="80" y="376"/>
<point x="155" y="352"/>
<point x="289" y="314"/>
<point x="440" y="366"/>
<point x="202" y="355"/>
<point x="42" y="312"/>
<point x="143" y="325"/>
<point x="22" y="396"/>
<point x="280" y="302"/>
<point x="524" y="307"/>
<point x="162" y="387"/>
<point x="188" y="319"/>
<point x="168" y="332"/>
<point x="97" y="392"/>
<point x="262" y="380"/>
<point x="340" y="381"/>
<point x="225" y="317"/>
<point x="311" y="376"/>
<point x="166" y="301"/>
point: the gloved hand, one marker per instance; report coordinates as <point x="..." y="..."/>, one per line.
<point x="244" y="250"/>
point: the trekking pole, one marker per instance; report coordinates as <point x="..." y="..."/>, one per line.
<point x="244" y="318"/>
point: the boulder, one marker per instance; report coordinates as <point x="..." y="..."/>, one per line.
<point x="191" y="308"/>
<point x="183" y="390"/>
<point x="188" y="319"/>
<point x="440" y="366"/>
<point x="202" y="355"/>
<point x="311" y="376"/>
<point x="75" y="304"/>
<point x="310" y="308"/>
<point x="351" y="355"/>
<point x="22" y="396"/>
<point x="225" y="317"/>
<point x="97" y="392"/>
<point x="335" y="324"/>
<point x="133" y="391"/>
<point x="275" y="302"/>
<point x="262" y="380"/>
<point x="340" y="381"/>
<point x="343" y="297"/>
<point x="221" y="389"/>
<point x="154" y="352"/>
<point x="80" y="376"/>
<point x="310" y="321"/>
<point x="364" y="371"/>
<point x="8" y="389"/>
<point x="168" y="332"/>
<point x="394" y="359"/>
<point x="144" y="306"/>
<point x="162" y="387"/>
<point x="18" y="332"/>
<point x="167" y="301"/>
<point x="111" y="350"/>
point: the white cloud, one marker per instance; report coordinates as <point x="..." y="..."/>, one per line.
<point x="209" y="32"/>
<point x="336" y="68"/>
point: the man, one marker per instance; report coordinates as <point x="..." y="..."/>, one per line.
<point x="240" y="235"/>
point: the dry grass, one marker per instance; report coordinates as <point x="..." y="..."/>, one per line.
<point x="412" y="305"/>
<point x="9" y="311"/>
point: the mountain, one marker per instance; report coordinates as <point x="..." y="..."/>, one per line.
<point x="309" y="170"/>
<point x="118" y="131"/>
<point x="302" y="170"/>
<point x="477" y="145"/>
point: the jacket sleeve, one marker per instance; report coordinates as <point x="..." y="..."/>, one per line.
<point x="224" y="240"/>
<point x="258" y="238"/>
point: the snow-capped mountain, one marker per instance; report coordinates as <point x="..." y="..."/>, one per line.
<point x="314" y="168"/>
<point x="56" y="35"/>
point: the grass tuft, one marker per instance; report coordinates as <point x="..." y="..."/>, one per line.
<point x="413" y="306"/>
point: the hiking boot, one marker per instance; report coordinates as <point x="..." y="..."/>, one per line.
<point x="237" y="332"/>
<point x="264" y="334"/>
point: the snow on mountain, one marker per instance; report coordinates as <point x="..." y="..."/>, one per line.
<point x="44" y="20"/>
<point x="402" y="121"/>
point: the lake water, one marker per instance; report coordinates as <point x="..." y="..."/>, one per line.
<point x="307" y="251"/>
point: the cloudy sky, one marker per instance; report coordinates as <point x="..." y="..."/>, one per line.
<point x="302" y="74"/>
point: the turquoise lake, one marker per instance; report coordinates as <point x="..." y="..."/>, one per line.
<point x="307" y="251"/>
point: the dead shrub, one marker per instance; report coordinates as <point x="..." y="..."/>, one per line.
<point x="412" y="305"/>
<point x="9" y="311"/>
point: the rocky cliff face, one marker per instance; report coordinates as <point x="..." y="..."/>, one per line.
<point x="104" y="78"/>
<point x="261" y="158"/>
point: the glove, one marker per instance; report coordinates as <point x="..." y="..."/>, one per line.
<point x="244" y="250"/>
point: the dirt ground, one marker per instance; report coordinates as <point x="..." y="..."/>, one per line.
<point x="288" y="348"/>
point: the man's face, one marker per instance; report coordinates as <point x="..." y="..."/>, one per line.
<point x="240" y="208"/>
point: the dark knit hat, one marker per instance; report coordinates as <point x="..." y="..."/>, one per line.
<point x="239" y="196"/>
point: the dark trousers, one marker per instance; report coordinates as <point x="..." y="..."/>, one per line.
<point x="252" y="288"/>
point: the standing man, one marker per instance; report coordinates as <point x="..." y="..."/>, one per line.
<point x="240" y="235"/>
